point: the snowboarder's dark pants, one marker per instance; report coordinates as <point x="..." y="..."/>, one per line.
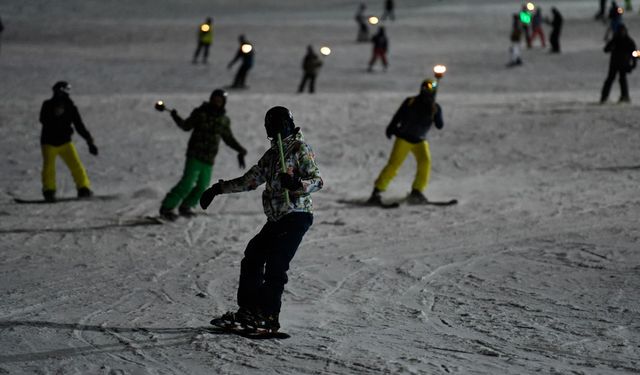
<point x="624" y="89"/>
<point x="263" y="270"/>
<point x="205" y="48"/>
<point x="241" y="76"/>
<point x="554" y="39"/>
<point x="312" y="82"/>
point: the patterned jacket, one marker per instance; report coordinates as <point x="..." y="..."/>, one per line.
<point x="209" y="126"/>
<point x="299" y="161"/>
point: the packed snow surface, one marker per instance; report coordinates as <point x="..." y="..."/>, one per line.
<point x="536" y="270"/>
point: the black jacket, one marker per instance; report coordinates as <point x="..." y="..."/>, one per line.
<point x="621" y="48"/>
<point x="56" y="116"/>
<point x="413" y="120"/>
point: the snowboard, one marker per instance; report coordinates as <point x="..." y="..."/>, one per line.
<point x="250" y="334"/>
<point x="396" y="203"/>
<point x="65" y="199"/>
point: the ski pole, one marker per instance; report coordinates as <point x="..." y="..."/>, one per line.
<point x="283" y="167"/>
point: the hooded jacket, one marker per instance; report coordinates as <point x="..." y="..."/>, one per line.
<point x="56" y="116"/>
<point x="299" y="161"/>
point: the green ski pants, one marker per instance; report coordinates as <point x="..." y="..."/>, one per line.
<point x="195" y="180"/>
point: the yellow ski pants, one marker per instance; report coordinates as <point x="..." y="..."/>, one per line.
<point x="401" y="149"/>
<point x="69" y="155"/>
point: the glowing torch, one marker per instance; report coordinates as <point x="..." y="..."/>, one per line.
<point x="620" y="10"/>
<point x="161" y="107"/>
<point x="374" y="20"/>
<point x="635" y="54"/>
<point x="246" y="48"/>
<point x="205" y="28"/>
<point x="439" y="71"/>
<point x="531" y="7"/>
<point x="326" y="51"/>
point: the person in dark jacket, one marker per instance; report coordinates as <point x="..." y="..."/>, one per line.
<point x="622" y="62"/>
<point x="410" y="126"/>
<point x="515" y="37"/>
<point x="556" y="29"/>
<point x="536" y="27"/>
<point x="209" y="124"/>
<point x="388" y="10"/>
<point x="205" y="38"/>
<point x="363" y="27"/>
<point x="245" y="53"/>
<point x="380" y="48"/>
<point x="310" y="66"/>
<point x="56" y="116"/>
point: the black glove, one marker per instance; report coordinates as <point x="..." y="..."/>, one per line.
<point x="209" y="194"/>
<point x="93" y="150"/>
<point x="241" y="159"/>
<point x="389" y="132"/>
<point x="290" y="182"/>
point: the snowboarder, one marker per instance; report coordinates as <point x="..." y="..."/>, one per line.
<point x="621" y="63"/>
<point x="287" y="204"/>
<point x="56" y="116"/>
<point x="536" y="26"/>
<point x="245" y="53"/>
<point x="410" y="125"/>
<point x="363" y="27"/>
<point x="205" y="38"/>
<point x="310" y="65"/>
<point x="209" y="123"/>
<point x="516" y="36"/>
<point x="556" y="29"/>
<point x="380" y="48"/>
<point x="388" y="10"/>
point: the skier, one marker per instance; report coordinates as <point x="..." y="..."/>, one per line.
<point x="205" y="38"/>
<point x="525" y="20"/>
<point x="310" y="65"/>
<point x="56" y="116"/>
<point x="410" y="125"/>
<point x="622" y="62"/>
<point x="380" y="48"/>
<point x="388" y="10"/>
<point x="209" y="123"/>
<point x="245" y="53"/>
<point x="556" y="28"/>
<point x="361" y="20"/>
<point x="537" y="30"/>
<point x="287" y="204"/>
<point x="516" y="35"/>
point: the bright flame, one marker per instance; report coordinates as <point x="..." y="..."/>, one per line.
<point x="635" y="54"/>
<point x="325" y="51"/>
<point x="620" y="10"/>
<point x="373" y="20"/>
<point x="530" y="7"/>
<point x="246" y="48"/>
<point x="204" y="28"/>
<point x="439" y="69"/>
<point x="160" y="103"/>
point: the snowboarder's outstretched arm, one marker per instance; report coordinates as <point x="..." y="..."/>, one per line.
<point x="190" y="122"/>
<point x="393" y="125"/>
<point x="437" y="119"/>
<point x="249" y="181"/>
<point x="82" y="130"/>
<point x="236" y="58"/>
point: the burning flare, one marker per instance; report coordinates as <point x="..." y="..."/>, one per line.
<point x="325" y="50"/>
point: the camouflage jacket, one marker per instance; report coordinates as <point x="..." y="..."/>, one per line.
<point x="299" y="161"/>
<point x="209" y="126"/>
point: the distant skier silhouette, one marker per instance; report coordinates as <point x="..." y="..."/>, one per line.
<point x="515" y="37"/>
<point x="310" y="66"/>
<point x="389" y="11"/>
<point x="245" y="54"/>
<point x="363" y="26"/>
<point x="205" y="38"/>
<point x="380" y="48"/>
<point x="556" y="29"/>
<point x="621" y="63"/>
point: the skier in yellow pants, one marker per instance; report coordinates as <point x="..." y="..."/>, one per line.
<point x="57" y="115"/>
<point x="410" y="125"/>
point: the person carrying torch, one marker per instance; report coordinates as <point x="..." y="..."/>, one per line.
<point x="290" y="173"/>
<point x="205" y="38"/>
<point x="245" y="53"/>
<point x="410" y="126"/>
<point x="208" y="123"/>
<point x="621" y="63"/>
<point x="310" y="66"/>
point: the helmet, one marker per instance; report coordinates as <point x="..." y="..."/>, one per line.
<point x="279" y="120"/>
<point x="220" y="93"/>
<point x="61" y="86"/>
<point x="429" y="86"/>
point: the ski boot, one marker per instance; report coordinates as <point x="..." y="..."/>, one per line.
<point x="241" y="319"/>
<point x="85" y="192"/>
<point x="186" y="211"/>
<point x="416" y="197"/>
<point x="267" y="323"/>
<point x="49" y="196"/>
<point x="375" y="199"/>
<point x="168" y="214"/>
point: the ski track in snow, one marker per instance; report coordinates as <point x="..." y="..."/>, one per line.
<point x="535" y="270"/>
